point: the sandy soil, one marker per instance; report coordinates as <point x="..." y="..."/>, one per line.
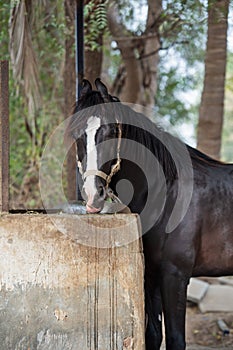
<point x="202" y="329"/>
<point x="203" y="333"/>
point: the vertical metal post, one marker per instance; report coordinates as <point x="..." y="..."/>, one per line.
<point x="79" y="41"/>
<point x="4" y="136"/>
<point x="79" y="35"/>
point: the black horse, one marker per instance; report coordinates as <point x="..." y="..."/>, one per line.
<point x="184" y="199"/>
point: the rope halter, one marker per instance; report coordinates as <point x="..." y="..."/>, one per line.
<point x="115" y="168"/>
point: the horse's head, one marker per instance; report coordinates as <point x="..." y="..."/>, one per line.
<point x="98" y="135"/>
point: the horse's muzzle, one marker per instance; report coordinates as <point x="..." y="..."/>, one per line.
<point x="95" y="203"/>
<point x="92" y="210"/>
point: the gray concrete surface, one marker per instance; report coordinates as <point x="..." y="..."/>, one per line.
<point x="217" y="299"/>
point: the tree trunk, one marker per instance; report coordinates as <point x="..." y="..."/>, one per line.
<point x="212" y="102"/>
<point x="129" y="91"/>
<point x="93" y="64"/>
<point x="140" y="56"/>
<point x="93" y="57"/>
<point x="149" y="57"/>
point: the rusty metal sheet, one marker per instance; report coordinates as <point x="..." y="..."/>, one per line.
<point x="4" y="136"/>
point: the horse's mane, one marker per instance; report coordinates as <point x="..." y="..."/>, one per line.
<point x="199" y="159"/>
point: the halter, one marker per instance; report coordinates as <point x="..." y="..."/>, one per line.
<point x="115" y="167"/>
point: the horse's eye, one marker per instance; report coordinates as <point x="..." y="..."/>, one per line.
<point x="112" y="131"/>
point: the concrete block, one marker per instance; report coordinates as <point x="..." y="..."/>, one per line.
<point x="218" y="298"/>
<point x="196" y="290"/>
<point x="226" y="280"/>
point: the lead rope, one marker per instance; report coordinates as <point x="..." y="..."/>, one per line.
<point x="115" y="167"/>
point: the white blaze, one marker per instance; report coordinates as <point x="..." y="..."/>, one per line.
<point x="93" y="125"/>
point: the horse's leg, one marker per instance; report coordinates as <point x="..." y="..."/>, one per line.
<point x="173" y="289"/>
<point x="153" y="308"/>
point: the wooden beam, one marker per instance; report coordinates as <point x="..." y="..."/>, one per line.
<point x="4" y="136"/>
<point x="61" y="294"/>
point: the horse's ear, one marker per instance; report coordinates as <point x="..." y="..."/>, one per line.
<point x="102" y="89"/>
<point x="86" y="87"/>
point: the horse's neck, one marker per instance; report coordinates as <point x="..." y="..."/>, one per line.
<point x="156" y="147"/>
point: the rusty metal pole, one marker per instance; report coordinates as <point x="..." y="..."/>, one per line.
<point x="4" y="136"/>
<point x="79" y="41"/>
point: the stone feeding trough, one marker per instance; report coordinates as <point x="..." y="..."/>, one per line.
<point x="71" y="282"/>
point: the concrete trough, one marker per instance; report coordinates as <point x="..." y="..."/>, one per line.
<point x="71" y="282"/>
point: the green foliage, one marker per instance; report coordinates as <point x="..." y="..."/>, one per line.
<point x="181" y="69"/>
<point x="95" y="24"/>
<point x="174" y="98"/>
<point x="184" y="26"/>
<point x="20" y="149"/>
<point x="112" y="59"/>
<point x="48" y="36"/>
<point x="4" y="36"/>
<point x="134" y="15"/>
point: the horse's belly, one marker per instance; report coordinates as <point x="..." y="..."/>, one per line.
<point x="215" y="254"/>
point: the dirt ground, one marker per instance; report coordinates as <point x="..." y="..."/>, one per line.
<point x="202" y="332"/>
<point x="202" y="329"/>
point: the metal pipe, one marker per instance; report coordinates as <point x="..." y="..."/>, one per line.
<point x="79" y="42"/>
